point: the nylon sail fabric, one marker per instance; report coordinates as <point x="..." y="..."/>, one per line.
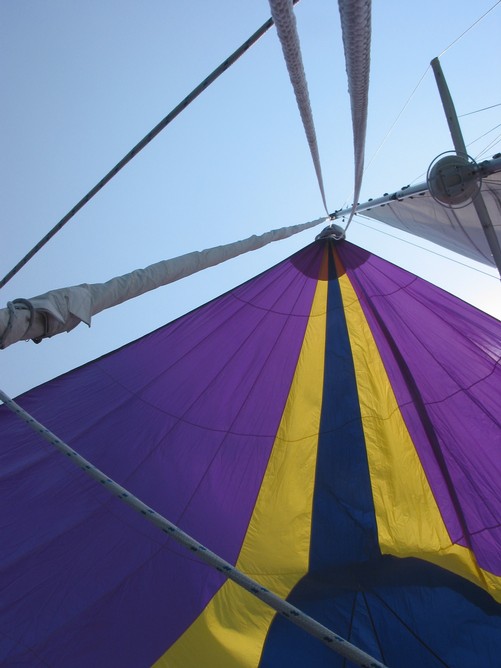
<point x="331" y="427"/>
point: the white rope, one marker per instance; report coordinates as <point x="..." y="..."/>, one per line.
<point x="282" y="13"/>
<point x="356" y="26"/>
<point x="293" y="614"/>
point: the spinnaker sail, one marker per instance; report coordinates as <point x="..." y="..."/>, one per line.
<point x="331" y="427"/>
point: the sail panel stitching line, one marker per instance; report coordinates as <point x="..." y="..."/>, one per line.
<point x="329" y="638"/>
<point x="352" y="618"/>
<point x="285" y="22"/>
<point x="373" y="626"/>
<point x="412" y="632"/>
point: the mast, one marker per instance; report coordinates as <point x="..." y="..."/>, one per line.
<point x="459" y="145"/>
<point x="485" y="168"/>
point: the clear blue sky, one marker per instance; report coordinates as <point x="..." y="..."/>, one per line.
<point x="82" y="82"/>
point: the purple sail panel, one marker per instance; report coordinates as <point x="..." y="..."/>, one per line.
<point x="442" y="357"/>
<point x="185" y="418"/>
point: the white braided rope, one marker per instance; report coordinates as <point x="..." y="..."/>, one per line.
<point x="356" y="27"/>
<point x="283" y="16"/>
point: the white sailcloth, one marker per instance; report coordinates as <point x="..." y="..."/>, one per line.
<point x="63" y="309"/>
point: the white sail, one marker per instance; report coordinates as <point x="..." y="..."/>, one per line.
<point x="61" y="310"/>
<point x="458" y="230"/>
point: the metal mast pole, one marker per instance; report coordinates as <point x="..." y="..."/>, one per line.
<point x="459" y="145"/>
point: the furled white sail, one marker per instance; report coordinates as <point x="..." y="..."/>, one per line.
<point x="62" y="310"/>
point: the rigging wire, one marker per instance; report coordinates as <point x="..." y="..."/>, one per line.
<point x="485" y="134"/>
<point x="489" y="147"/>
<point x="180" y="107"/>
<point x="418" y="178"/>
<point x="479" y="110"/>
<point x="383" y="142"/>
<point x="468" y="29"/>
<point x="142" y="144"/>
<point x="385" y="138"/>
<point x="427" y="250"/>
<point x="285" y="22"/>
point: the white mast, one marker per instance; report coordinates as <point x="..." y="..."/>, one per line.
<point x="460" y="146"/>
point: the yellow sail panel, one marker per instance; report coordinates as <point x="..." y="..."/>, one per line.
<point x="409" y="522"/>
<point x="232" y="629"/>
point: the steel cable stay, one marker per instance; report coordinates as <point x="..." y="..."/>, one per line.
<point x="215" y="74"/>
